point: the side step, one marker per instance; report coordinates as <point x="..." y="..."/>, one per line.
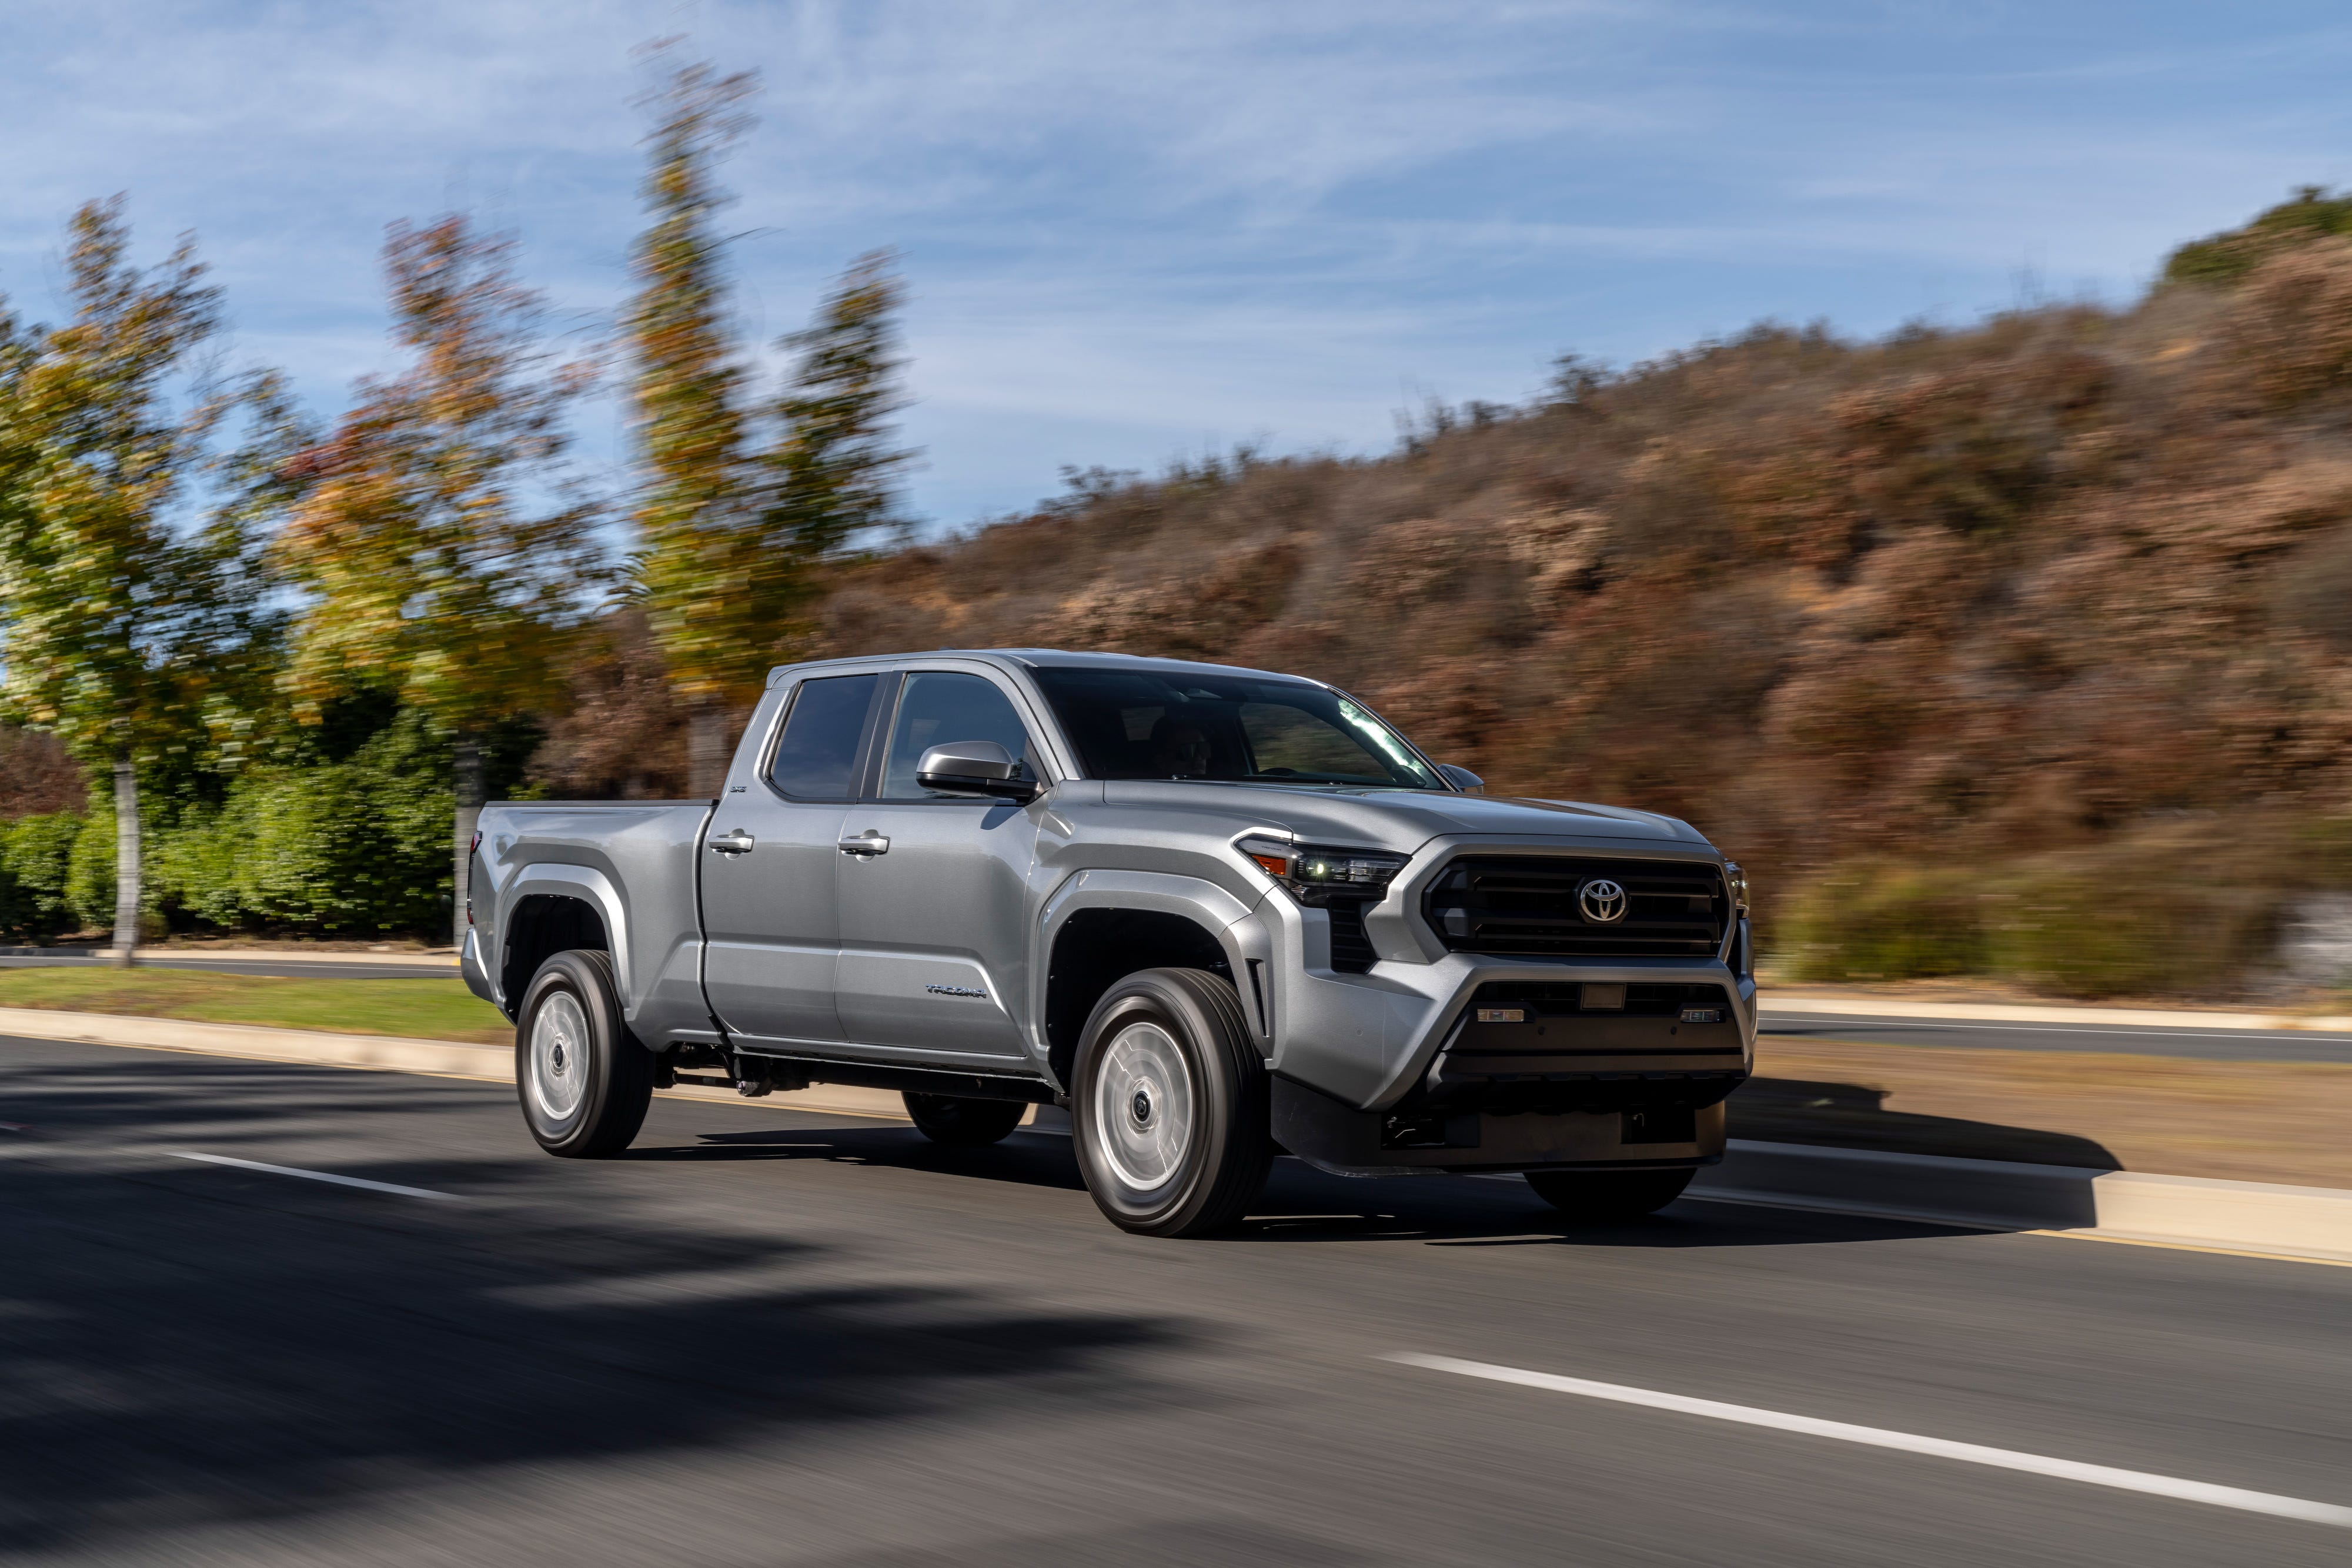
<point x="753" y="1074"/>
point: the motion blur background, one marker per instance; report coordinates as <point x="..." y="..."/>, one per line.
<point x="1987" y="596"/>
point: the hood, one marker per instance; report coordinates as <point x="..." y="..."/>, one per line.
<point x="1402" y="819"/>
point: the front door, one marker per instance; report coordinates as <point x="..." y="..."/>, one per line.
<point x="934" y="915"/>
<point x="771" y="919"/>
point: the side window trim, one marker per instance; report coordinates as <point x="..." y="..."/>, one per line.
<point x="865" y="783"/>
<point x="885" y="686"/>
<point x="885" y="720"/>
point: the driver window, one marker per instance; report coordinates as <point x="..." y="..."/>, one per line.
<point x="936" y="707"/>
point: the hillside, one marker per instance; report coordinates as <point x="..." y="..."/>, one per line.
<point x="2065" y="599"/>
<point x="2021" y="649"/>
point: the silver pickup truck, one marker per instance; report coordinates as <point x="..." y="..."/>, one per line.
<point x="1214" y="913"/>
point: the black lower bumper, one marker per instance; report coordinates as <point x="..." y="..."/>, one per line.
<point x="1338" y="1137"/>
<point x="1545" y="1074"/>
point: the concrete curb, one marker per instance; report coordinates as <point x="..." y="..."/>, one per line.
<point x="442" y="1057"/>
<point x="1999" y="1195"/>
<point x="1988" y="1012"/>
<point x="1992" y="1195"/>
<point x="441" y="960"/>
<point x="445" y="959"/>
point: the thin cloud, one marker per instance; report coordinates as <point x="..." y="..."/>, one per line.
<point x="1132" y="228"/>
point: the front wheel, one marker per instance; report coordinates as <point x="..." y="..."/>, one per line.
<point x="963" y="1123"/>
<point x="1610" y="1195"/>
<point x="1169" y="1106"/>
<point x="585" y="1081"/>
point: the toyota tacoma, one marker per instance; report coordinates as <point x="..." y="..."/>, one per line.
<point x="1217" y="913"/>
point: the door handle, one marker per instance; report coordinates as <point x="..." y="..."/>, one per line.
<point x="737" y="842"/>
<point x="868" y="843"/>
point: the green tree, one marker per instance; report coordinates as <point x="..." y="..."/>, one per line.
<point x="109" y="610"/>
<point x="831" y="470"/>
<point x="710" y="589"/>
<point x="736" y="513"/>
<point x="440" y="543"/>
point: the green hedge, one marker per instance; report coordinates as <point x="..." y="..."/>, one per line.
<point x="1886" y="922"/>
<point x="2183" y="911"/>
<point x="36" y="874"/>
<point x="356" y="847"/>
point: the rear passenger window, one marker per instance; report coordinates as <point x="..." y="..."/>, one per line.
<point x="818" y="751"/>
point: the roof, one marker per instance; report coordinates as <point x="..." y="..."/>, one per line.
<point x="1052" y="659"/>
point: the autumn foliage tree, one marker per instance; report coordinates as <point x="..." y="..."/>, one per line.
<point x="737" y="512"/>
<point x="116" y="607"/>
<point x="438" y="544"/>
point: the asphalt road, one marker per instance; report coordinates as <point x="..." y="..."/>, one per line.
<point x="2211" y="1044"/>
<point x="770" y="1338"/>
<point x="358" y="969"/>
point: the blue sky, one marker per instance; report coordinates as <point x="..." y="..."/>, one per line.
<point x="1138" y="230"/>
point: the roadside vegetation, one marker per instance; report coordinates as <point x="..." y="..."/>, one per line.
<point x="263" y="674"/>
<point x="2021" y="649"/>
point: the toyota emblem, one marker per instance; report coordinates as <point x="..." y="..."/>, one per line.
<point x="1603" y="901"/>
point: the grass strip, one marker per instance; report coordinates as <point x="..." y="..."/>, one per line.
<point x="426" y="1008"/>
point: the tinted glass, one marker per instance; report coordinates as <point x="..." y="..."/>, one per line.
<point x="1238" y="728"/>
<point x="936" y="707"/>
<point x="819" y="749"/>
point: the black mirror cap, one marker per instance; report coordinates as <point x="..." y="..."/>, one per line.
<point x="1462" y="778"/>
<point x="974" y="768"/>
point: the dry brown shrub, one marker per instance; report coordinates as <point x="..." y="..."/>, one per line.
<point x="622" y="734"/>
<point x="2291" y="331"/>
<point x="2012" y="590"/>
<point x="36" y="775"/>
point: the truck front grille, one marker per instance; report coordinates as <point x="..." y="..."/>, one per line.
<point x="1527" y="906"/>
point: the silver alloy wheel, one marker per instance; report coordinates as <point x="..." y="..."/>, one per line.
<point x="1143" y="1106"/>
<point x="559" y="1056"/>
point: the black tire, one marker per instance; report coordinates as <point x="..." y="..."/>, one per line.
<point x="963" y="1123"/>
<point x="583" y="1097"/>
<point x="1610" y="1195"/>
<point x="1195" y="1170"/>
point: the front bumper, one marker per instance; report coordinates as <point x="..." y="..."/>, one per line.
<point x="1392" y="1070"/>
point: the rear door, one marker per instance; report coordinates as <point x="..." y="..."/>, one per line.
<point x="771" y="919"/>
<point x="934" y="913"/>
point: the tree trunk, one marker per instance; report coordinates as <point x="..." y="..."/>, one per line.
<point x="707" y="731"/>
<point x="469" y="813"/>
<point x="126" y="863"/>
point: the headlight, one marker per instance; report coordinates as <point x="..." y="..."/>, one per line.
<point x="1317" y="875"/>
<point x="1738" y="880"/>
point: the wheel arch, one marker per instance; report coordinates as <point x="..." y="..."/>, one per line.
<point x="552" y="909"/>
<point x="1108" y="925"/>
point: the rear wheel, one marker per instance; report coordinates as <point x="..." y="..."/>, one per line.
<point x="1169" y="1105"/>
<point x="1608" y="1195"/>
<point x="963" y="1123"/>
<point x="583" y="1080"/>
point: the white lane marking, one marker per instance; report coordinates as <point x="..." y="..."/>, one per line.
<point x="1878" y="1437"/>
<point x="2120" y="1030"/>
<point x="322" y="1176"/>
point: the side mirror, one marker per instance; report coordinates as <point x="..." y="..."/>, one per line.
<point x="1462" y="778"/>
<point x="974" y="768"/>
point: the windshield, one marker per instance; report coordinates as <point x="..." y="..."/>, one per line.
<point x="1238" y="728"/>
